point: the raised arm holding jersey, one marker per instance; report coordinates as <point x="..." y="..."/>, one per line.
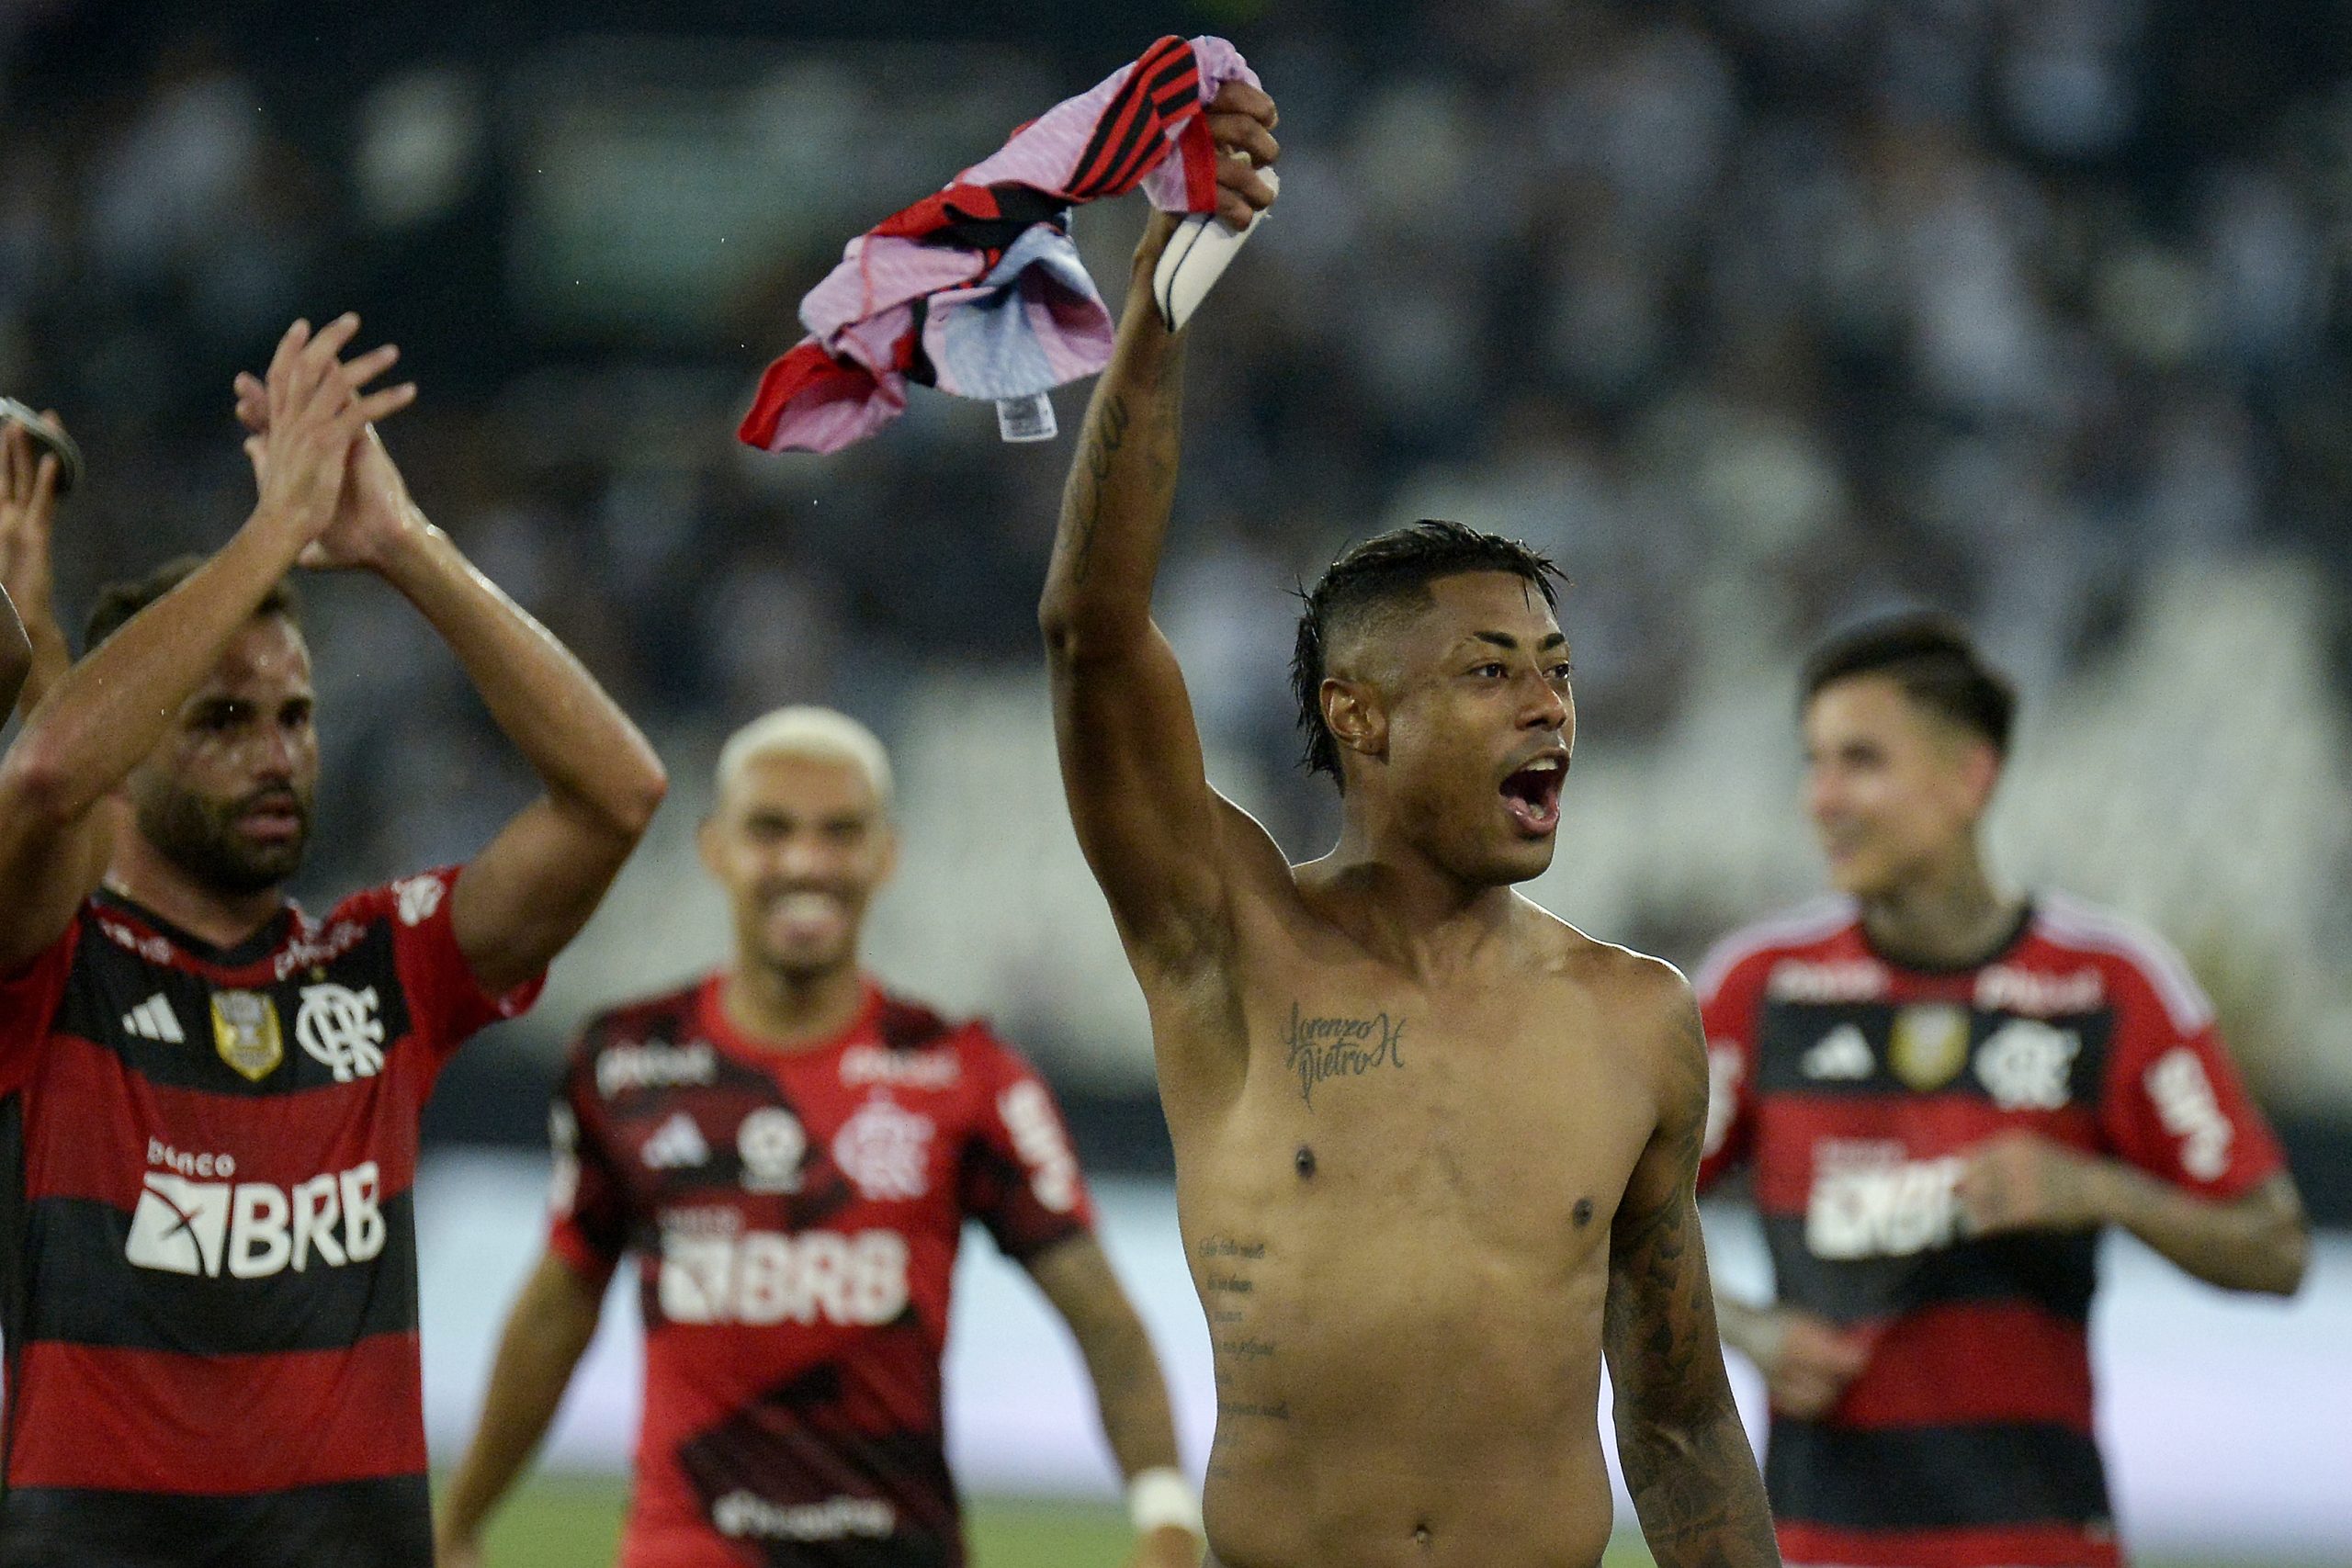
<point x="208" y="1099"/>
<point x="1943" y="1091"/>
<point x="1434" y="1148"/>
<point x="790" y="1152"/>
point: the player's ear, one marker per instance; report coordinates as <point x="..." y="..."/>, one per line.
<point x="1356" y="717"/>
<point x="887" y="858"/>
<point x="1981" y="773"/>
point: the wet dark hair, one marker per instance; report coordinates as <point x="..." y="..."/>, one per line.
<point x="1931" y="657"/>
<point x="1390" y="571"/>
<point x="118" y="602"/>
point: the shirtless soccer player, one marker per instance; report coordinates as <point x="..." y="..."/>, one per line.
<point x="208" y="1099"/>
<point x="791" y="1152"/>
<point x="1434" y="1149"/>
<point x="1944" y="1090"/>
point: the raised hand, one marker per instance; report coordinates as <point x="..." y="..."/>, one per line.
<point x="308" y="420"/>
<point x="28" y="479"/>
<point x="1241" y="121"/>
<point x="373" y="512"/>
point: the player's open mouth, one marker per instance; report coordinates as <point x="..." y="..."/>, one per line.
<point x="1532" y="795"/>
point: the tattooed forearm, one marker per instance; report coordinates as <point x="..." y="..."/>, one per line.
<point x="1687" y="1461"/>
<point x="1322" y="1046"/>
<point x="1083" y="507"/>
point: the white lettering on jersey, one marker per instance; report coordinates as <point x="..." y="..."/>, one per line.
<point x="1869" y="1201"/>
<point x="677" y="1144"/>
<point x="886" y="1149"/>
<point x="768" y="1277"/>
<point x="339" y="1028"/>
<point x="654" y="1065"/>
<point x="306" y="949"/>
<point x="2024" y="1064"/>
<point x="154" y="949"/>
<point x="865" y="1064"/>
<point x="2187" y="1106"/>
<point x="739" y="1514"/>
<point x="770" y="1142"/>
<point x="206" y="1165"/>
<point x="1725" y="1068"/>
<point x="2004" y="988"/>
<point x="417" y="898"/>
<point x="256" y="1228"/>
<point x="1038" y="1139"/>
<point x="1840" y="1053"/>
<point x="1838" y="980"/>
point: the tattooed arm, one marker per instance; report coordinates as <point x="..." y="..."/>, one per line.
<point x="1131" y="756"/>
<point x="1686" y="1457"/>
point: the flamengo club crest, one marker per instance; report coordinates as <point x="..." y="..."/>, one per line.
<point x="245" y="1032"/>
<point x="1929" y="1046"/>
<point x="339" y="1028"/>
<point x="883" y="1149"/>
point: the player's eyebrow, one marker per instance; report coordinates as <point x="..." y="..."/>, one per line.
<point x="1505" y="640"/>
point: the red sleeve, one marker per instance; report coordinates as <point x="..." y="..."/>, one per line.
<point x="1020" y="1175"/>
<point x="587" y="1205"/>
<point x="2173" y="1104"/>
<point x="1731" y="996"/>
<point x="28" y="1000"/>
<point x="446" y="1004"/>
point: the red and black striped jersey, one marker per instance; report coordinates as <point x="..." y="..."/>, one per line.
<point x="207" y="1272"/>
<point x="1853" y="1087"/>
<point x="795" y="1216"/>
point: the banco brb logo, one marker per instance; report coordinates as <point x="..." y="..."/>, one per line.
<point x="338" y="1027"/>
<point x="252" y="1229"/>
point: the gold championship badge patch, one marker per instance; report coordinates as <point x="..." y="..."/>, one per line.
<point x="1929" y="1045"/>
<point x="245" y="1032"/>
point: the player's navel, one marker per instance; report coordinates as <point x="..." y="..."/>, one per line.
<point x="1304" y="1162"/>
<point x="1422" y="1536"/>
<point x="1583" y="1211"/>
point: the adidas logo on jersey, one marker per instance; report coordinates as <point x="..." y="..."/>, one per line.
<point x="155" y="1020"/>
<point x="677" y="1141"/>
<point x="1840" y="1053"/>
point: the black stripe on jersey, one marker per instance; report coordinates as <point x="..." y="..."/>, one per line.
<point x="379" y="1523"/>
<point x="2055" y="1272"/>
<point x="1934" y="1478"/>
<point x="92" y="1295"/>
<point x="1788" y="1032"/>
<point x="110" y="982"/>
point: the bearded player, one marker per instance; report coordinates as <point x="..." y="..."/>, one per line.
<point x="1434" y="1148"/>
<point x="791" y="1153"/>
<point x="208" y="1099"/>
<point x="1944" y="1090"/>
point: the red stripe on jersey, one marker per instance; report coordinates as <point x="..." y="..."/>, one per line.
<point x="1790" y="1126"/>
<point x="1962" y="1363"/>
<point x="2005" y="1546"/>
<point x="284" y="1139"/>
<point x="216" y="1425"/>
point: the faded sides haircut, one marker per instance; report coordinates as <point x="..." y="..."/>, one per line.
<point x="1932" y="659"/>
<point x="1388" y="572"/>
<point x="118" y="602"/>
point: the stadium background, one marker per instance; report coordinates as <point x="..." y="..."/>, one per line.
<point x="1756" y="313"/>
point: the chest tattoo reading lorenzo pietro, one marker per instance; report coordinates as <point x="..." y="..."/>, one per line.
<point x="1321" y="1047"/>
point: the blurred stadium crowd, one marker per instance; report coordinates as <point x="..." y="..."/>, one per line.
<point x="1756" y="313"/>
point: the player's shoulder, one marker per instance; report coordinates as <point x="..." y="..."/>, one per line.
<point x="1801" y="931"/>
<point x="2135" y="960"/>
<point x="662" y="1018"/>
<point x="911" y="1028"/>
<point x="407" y="901"/>
<point x="1627" y="983"/>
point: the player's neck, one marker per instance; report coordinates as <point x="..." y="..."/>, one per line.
<point x="1952" y="914"/>
<point x="787" y="1012"/>
<point x="1397" y="903"/>
<point x="142" y="873"/>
